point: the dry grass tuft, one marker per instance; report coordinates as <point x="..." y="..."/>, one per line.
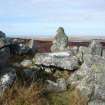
<point x="77" y="99"/>
<point x="23" y="96"/>
<point x="70" y="97"/>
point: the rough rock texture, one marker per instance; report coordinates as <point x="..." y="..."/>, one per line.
<point x="96" y="102"/>
<point x="90" y="78"/>
<point x="96" y="48"/>
<point x="6" y="81"/>
<point x="60" y="42"/>
<point x="87" y="63"/>
<point x="60" y="60"/>
<point x="81" y="53"/>
<point x="58" y="86"/>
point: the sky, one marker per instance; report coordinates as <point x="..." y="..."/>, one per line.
<point x="43" y="17"/>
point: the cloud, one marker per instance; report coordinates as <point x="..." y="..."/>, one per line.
<point x="45" y="15"/>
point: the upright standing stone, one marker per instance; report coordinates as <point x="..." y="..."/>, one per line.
<point x="32" y="45"/>
<point x="96" y="48"/>
<point x="60" y="42"/>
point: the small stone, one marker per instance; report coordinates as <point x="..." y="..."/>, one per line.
<point x="58" y="86"/>
<point x="26" y="63"/>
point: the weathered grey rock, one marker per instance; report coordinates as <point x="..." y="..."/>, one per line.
<point x="26" y="63"/>
<point x="96" y="102"/>
<point x="60" y="42"/>
<point x="62" y="84"/>
<point x="61" y="60"/>
<point x="75" y="50"/>
<point x="6" y="81"/>
<point x="96" y="48"/>
<point x="82" y="52"/>
<point x="78" y="75"/>
<point x="90" y="78"/>
<point x="58" y="86"/>
<point x="86" y="86"/>
<point x="93" y="59"/>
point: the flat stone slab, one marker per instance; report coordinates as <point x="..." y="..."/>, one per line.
<point x="62" y="60"/>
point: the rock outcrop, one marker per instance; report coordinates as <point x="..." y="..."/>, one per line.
<point x="60" y="42"/>
<point x="90" y="78"/>
<point x="84" y="66"/>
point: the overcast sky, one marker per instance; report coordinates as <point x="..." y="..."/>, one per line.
<point x="43" y="17"/>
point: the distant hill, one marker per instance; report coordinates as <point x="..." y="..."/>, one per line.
<point x="50" y="38"/>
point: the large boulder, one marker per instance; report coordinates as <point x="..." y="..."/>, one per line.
<point x="90" y="79"/>
<point x="60" y="42"/>
<point x="61" y="60"/>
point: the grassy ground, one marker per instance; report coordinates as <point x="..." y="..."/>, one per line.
<point x="18" y="95"/>
<point x="69" y="97"/>
<point x="33" y="96"/>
